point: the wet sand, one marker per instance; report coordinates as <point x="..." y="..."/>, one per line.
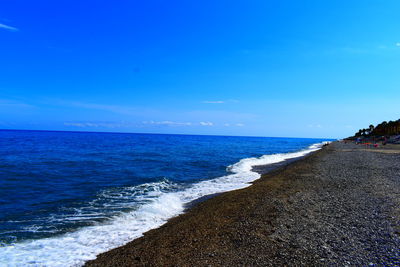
<point x="338" y="206"/>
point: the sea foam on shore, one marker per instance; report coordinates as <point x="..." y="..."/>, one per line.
<point x="161" y="201"/>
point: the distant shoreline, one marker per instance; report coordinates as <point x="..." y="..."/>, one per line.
<point x="339" y="205"/>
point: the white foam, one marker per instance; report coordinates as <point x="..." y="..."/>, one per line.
<point x="75" y="248"/>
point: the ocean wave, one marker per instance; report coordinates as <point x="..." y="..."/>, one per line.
<point x="158" y="202"/>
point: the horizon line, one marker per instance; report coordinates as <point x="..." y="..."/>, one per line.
<point x="256" y="136"/>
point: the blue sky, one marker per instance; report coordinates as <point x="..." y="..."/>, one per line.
<point x="264" y="68"/>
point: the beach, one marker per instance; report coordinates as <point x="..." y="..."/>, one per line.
<point x="337" y="206"/>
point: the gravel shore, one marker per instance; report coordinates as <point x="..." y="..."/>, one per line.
<point x="338" y="206"/>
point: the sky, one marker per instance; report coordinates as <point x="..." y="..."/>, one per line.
<point x="255" y="68"/>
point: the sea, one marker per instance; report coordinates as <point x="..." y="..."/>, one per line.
<point x="66" y="197"/>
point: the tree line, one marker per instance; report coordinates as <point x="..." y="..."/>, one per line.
<point x="382" y="129"/>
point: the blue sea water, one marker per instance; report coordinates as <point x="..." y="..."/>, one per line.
<point x="67" y="196"/>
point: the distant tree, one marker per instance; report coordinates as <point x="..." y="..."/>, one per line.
<point x="364" y="132"/>
<point x="371" y="128"/>
<point x="384" y="128"/>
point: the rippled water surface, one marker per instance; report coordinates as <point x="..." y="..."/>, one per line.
<point x="60" y="192"/>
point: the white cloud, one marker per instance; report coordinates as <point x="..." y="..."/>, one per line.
<point x="98" y="124"/>
<point x="91" y="124"/>
<point x="9" y="28"/>
<point x="220" y="101"/>
<point x="315" y="126"/>
<point x="169" y="123"/>
<point x="214" y="102"/>
<point x="77" y="124"/>
<point x="235" y="124"/>
<point x="206" y="123"/>
<point x="174" y="123"/>
<point x="367" y="49"/>
<point x="14" y="104"/>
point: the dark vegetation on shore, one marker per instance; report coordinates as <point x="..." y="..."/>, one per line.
<point x="384" y="129"/>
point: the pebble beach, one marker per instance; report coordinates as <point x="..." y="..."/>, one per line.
<point x="339" y="206"/>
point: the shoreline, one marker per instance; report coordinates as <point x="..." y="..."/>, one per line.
<point x="313" y="211"/>
<point x="260" y="169"/>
